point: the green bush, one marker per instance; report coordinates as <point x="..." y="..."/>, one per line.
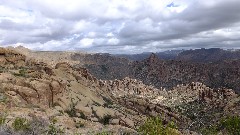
<point x="79" y="124"/>
<point x="82" y="115"/>
<point x="52" y="129"/>
<point x="3" y="98"/>
<point x="231" y="125"/>
<point x="104" y="133"/>
<point x="212" y="130"/>
<point x="72" y="111"/>
<point x="2" y="120"/>
<point x="21" y="124"/>
<point x="21" y="72"/>
<point x="154" y="126"/>
<point x="106" y="119"/>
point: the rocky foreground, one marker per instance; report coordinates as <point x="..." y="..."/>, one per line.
<point x="68" y="100"/>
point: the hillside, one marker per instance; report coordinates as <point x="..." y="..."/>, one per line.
<point x="67" y="99"/>
<point x="166" y="55"/>
<point x="208" y="55"/>
<point x="165" y="73"/>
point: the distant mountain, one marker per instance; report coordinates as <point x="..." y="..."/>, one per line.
<point x="169" y="73"/>
<point x="196" y="55"/>
<point x="166" y="55"/>
<point x="164" y="73"/>
<point x="104" y="66"/>
<point x="208" y="55"/>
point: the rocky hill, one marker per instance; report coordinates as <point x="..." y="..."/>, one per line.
<point x="171" y="73"/>
<point x="165" y="73"/>
<point x="208" y="55"/>
<point x="104" y="66"/>
<point x="69" y="100"/>
<point x="49" y="57"/>
<point x="166" y="55"/>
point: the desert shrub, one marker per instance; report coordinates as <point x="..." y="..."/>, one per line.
<point x="22" y="73"/>
<point x="21" y="124"/>
<point x="2" y="120"/>
<point x="53" y="129"/>
<point x="154" y="126"/>
<point x="231" y="125"/>
<point x="96" y="103"/>
<point x="212" y="130"/>
<point x="2" y="69"/>
<point x="104" y="133"/>
<point x="108" y="102"/>
<point x="79" y="124"/>
<point x="106" y="119"/>
<point x="82" y="115"/>
<point x="72" y="111"/>
<point x="3" y="98"/>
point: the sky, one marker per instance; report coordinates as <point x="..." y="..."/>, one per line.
<point x="120" y="26"/>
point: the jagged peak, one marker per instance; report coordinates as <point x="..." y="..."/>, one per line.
<point x="152" y="58"/>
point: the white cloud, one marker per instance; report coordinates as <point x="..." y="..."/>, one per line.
<point x="112" y="25"/>
<point x="113" y="41"/>
<point x="110" y="34"/>
<point x="86" y="42"/>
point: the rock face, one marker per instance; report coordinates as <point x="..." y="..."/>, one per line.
<point x="8" y="57"/>
<point x="222" y="72"/>
<point x="163" y="73"/>
<point x="39" y="90"/>
<point x="71" y="95"/>
<point x="83" y="104"/>
<point x="104" y="66"/>
<point x="168" y="74"/>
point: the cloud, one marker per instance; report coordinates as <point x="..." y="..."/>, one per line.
<point x="120" y="26"/>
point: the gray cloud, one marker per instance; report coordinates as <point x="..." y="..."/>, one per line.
<point x="120" y="26"/>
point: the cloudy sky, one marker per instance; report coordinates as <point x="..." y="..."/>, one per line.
<point x="120" y="26"/>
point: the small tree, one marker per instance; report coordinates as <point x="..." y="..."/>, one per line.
<point x="231" y="125"/>
<point x="154" y="126"/>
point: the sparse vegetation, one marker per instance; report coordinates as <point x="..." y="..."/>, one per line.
<point x="82" y="115"/>
<point x="79" y="124"/>
<point x="2" y="69"/>
<point x="2" y="120"/>
<point x="108" y="102"/>
<point x="52" y="129"/>
<point x="22" y="72"/>
<point x="104" y="133"/>
<point x="3" y="98"/>
<point x="212" y="130"/>
<point x="106" y="119"/>
<point x="96" y="103"/>
<point x="231" y="124"/>
<point x="20" y="124"/>
<point x="154" y="126"/>
<point x="72" y="111"/>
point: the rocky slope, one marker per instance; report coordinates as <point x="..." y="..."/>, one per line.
<point x="157" y="72"/>
<point x="208" y="55"/>
<point x="70" y="100"/>
<point x="166" y="55"/>
<point x="167" y="73"/>
<point x="171" y="73"/>
<point x="49" y="57"/>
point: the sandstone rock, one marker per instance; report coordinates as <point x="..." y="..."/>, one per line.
<point x="87" y="111"/>
<point x="126" y="122"/>
<point x="114" y="122"/>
